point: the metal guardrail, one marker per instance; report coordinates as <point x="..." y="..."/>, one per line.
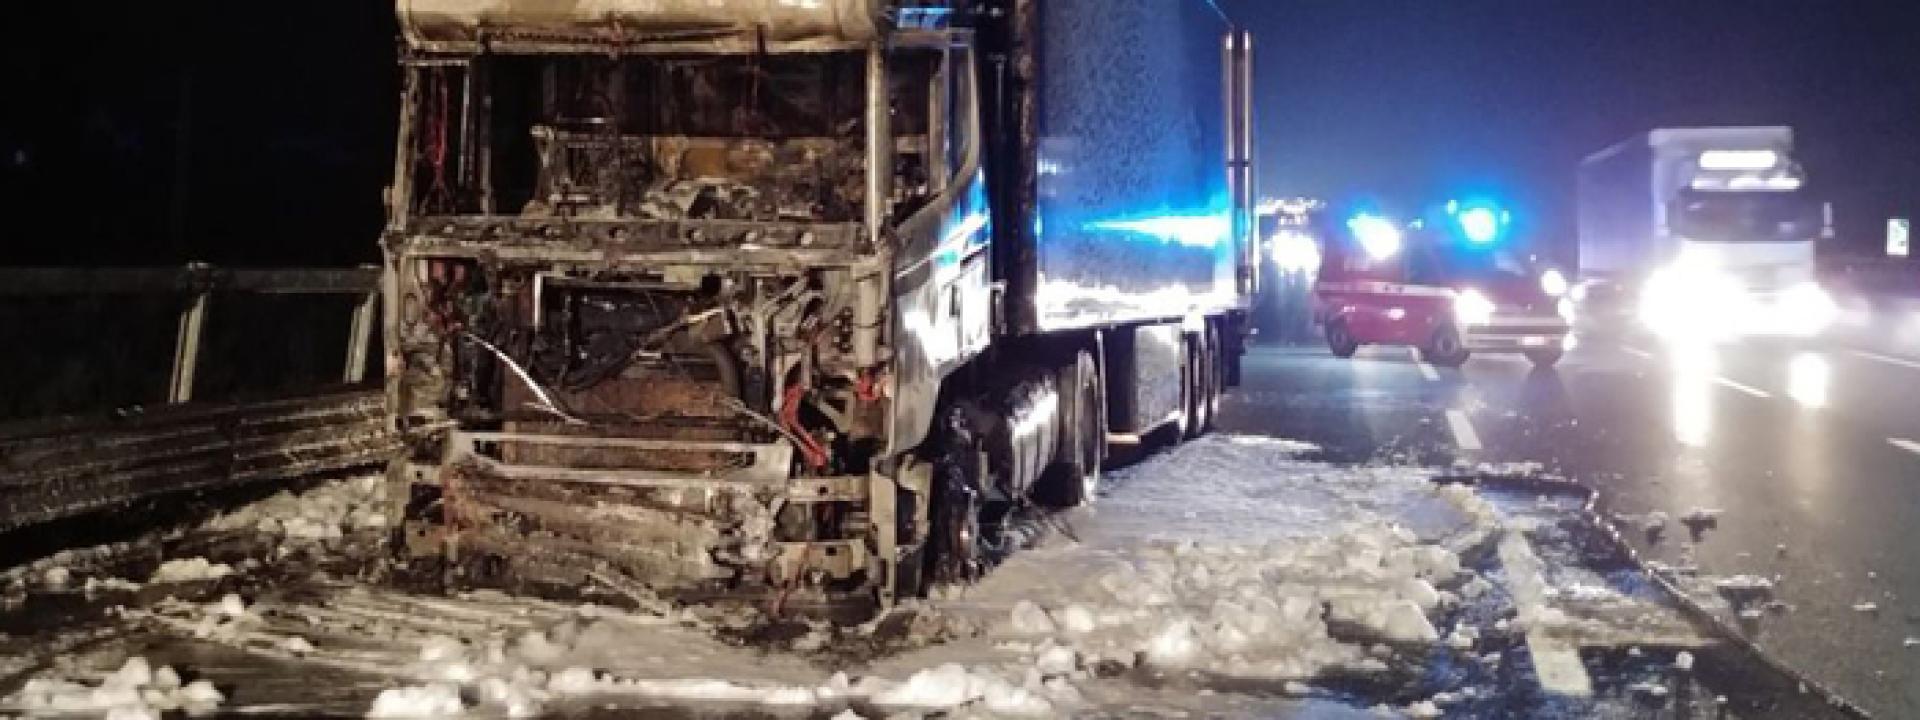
<point x="58" y="468"/>
<point x="197" y="284"/>
<point x="52" y="470"/>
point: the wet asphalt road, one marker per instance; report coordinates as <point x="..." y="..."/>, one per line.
<point x="1810" y="450"/>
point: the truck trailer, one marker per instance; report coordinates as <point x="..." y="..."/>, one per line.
<point x="1702" y="233"/>
<point x="803" y="303"/>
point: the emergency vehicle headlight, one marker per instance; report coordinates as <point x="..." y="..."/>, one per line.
<point x="1377" y="235"/>
<point x="1471" y="307"/>
<point x="1553" y="283"/>
<point x="1295" y="252"/>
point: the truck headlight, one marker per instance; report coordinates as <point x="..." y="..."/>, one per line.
<point x="1692" y="301"/>
<point x="1806" y="309"/>
<point x="1471" y="307"/>
<point x="1553" y="283"/>
<point x="1565" y="306"/>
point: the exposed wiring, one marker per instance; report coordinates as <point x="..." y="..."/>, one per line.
<point x="436" y="142"/>
<point x="811" y="452"/>
<point x="547" y="402"/>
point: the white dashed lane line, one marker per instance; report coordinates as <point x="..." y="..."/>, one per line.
<point x="1637" y="352"/>
<point x="1556" y="662"/>
<point x="1905" y="444"/>
<point x="1888" y="359"/>
<point x="1463" y="433"/>
<point x="1427" y="371"/>
<point x="1748" y="389"/>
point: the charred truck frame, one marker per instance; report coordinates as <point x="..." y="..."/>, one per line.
<point x="800" y="301"/>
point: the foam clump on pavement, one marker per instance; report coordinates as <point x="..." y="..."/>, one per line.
<point x="135" y="690"/>
<point x="327" y="512"/>
<point x="184" y="570"/>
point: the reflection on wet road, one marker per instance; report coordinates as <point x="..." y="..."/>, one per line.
<point x="1800" y="463"/>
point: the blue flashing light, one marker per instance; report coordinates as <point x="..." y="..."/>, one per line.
<point x="1378" y="236"/>
<point x="1480" y="225"/>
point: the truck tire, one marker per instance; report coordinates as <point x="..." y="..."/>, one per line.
<point x="1075" y="478"/>
<point x="1340" y="340"/>
<point x="954" y="546"/>
<point x="1444" y="348"/>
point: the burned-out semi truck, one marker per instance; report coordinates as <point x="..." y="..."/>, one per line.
<point x="802" y="301"/>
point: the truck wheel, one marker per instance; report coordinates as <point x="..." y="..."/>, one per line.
<point x="1340" y="339"/>
<point x="1444" y="348"/>
<point x="1545" y="358"/>
<point x="1083" y="444"/>
<point x="954" y="543"/>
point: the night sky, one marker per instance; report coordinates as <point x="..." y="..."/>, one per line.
<point x="1410" y="101"/>
<point x="286" y="111"/>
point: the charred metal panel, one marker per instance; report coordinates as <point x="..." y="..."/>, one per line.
<point x="943" y="288"/>
<point x="1135" y="218"/>
<point x="504" y="24"/>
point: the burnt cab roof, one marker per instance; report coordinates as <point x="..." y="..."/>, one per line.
<point x="561" y="26"/>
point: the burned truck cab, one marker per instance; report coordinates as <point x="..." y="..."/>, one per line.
<point x="641" y="277"/>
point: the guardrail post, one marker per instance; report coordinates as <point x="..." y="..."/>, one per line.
<point x="360" y="337"/>
<point x="186" y="347"/>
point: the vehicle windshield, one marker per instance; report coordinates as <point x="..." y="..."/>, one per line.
<point x="1489" y="265"/>
<point x="1448" y="263"/>
<point x="1745" y="216"/>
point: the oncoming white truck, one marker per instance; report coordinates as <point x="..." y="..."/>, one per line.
<point x="1702" y="234"/>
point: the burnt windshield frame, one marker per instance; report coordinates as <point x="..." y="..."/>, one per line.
<point x="486" y="125"/>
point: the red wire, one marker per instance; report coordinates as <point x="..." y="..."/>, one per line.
<point x="810" y="450"/>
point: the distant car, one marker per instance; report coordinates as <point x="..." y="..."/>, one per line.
<point x="1386" y="285"/>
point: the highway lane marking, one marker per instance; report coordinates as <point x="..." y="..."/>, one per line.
<point x="1905" y="444"/>
<point x="1556" y="663"/>
<point x="1427" y="371"/>
<point x="1637" y="352"/>
<point x="1888" y="359"/>
<point x="1463" y="433"/>
<point x="1748" y="389"/>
